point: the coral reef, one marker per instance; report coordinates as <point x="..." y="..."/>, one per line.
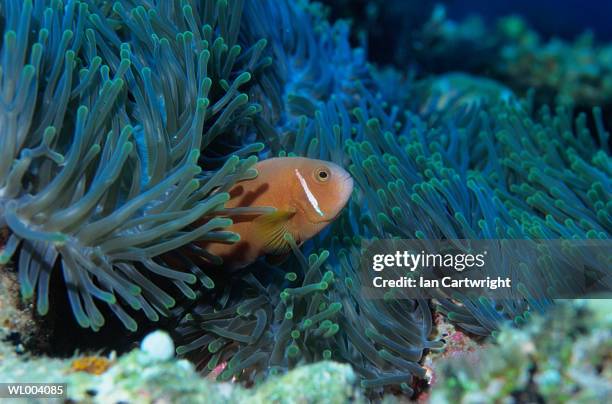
<point x="576" y="72"/>
<point x="559" y="71"/>
<point x="142" y="376"/>
<point x="562" y="357"/>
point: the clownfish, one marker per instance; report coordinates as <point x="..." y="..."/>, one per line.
<point x="307" y="194"/>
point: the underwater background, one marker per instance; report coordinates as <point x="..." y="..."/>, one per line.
<point x="124" y="123"/>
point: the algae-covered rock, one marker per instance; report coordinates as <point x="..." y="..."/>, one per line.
<point x="136" y="377"/>
<point x="327" y="382"/>
<point x="17" y="316"/>
<point x="565" y="356"/>
<point x="145" y="375"/>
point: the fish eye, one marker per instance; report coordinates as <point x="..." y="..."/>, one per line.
<point x="322" y="174"/>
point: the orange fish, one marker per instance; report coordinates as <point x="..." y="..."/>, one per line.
<point x="308" y="194"/>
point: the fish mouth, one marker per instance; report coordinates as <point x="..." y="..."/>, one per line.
<point x="350" y="186"/>
<point x="347" y="190"/>
<point x="346" y="196"/>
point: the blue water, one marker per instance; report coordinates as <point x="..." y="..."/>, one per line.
<point x="562" y="18"/>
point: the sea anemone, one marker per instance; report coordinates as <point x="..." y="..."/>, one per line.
<point x="106" y="110"/>
<point x="424" y="169"/>
<point x="268" y="324"/>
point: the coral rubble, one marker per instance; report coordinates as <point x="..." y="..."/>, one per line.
<point x="564" y="357"/>
<point x="140" y="376"/>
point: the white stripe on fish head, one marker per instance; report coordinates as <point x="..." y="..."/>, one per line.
<point x="311" y="198"/>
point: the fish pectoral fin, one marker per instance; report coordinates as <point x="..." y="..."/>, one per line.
<point x="272" y="228"/>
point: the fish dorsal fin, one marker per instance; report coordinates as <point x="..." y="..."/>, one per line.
<point x="272" y="228"/>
